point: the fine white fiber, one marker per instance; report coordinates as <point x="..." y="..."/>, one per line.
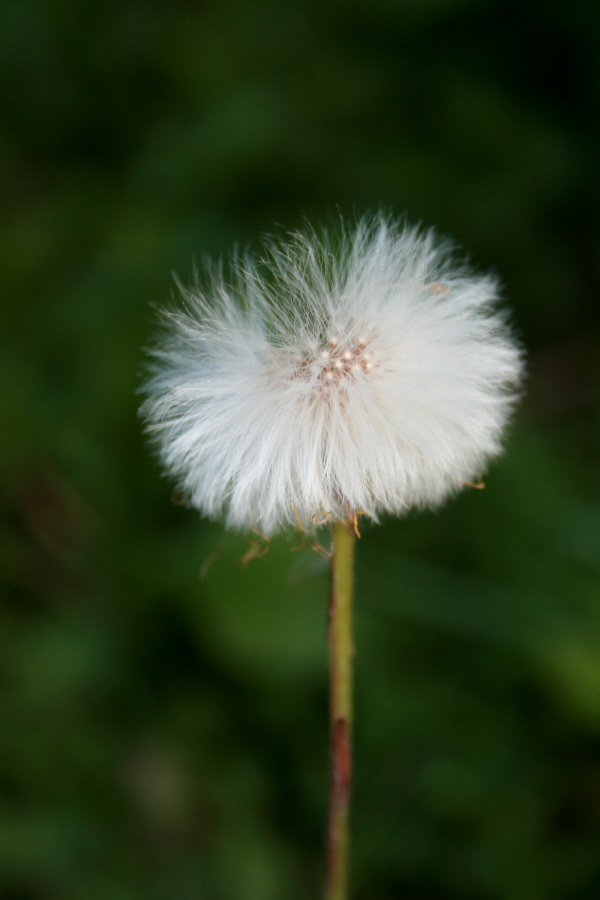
<point x="367" y="371"/>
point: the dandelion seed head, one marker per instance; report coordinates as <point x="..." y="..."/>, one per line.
<point x="375" y="373"/>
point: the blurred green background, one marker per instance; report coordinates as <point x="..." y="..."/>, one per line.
<point x="163" y="735"/>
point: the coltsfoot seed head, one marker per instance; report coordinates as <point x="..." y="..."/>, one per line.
<point x="374" y="373"/>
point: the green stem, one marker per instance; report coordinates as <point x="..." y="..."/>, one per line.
<point x="341" y="653"/>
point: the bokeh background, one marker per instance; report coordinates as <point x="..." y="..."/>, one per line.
<point x="163" y="709"/>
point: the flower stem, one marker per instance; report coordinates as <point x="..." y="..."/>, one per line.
<point x="341" y="652"/>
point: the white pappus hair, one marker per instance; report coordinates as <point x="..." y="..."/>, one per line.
<point x="369" y="373"/>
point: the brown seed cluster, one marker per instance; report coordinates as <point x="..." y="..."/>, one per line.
<point x="335" y="364"/>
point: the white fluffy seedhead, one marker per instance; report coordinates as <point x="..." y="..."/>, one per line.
<point x="374" y="374"/>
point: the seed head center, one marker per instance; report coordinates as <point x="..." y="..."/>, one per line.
<point x="336" y="364"/>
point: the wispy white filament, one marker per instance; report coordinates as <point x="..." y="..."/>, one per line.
<point x="371" y="374"/>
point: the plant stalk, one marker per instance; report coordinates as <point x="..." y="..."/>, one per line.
<point x="341" y="652"/>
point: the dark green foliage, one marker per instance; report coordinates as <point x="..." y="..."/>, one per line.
<point x="162" y="734"/>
